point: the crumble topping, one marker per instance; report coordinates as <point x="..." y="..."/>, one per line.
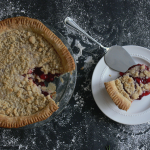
<point x="134" y="82"/>
<point x="140" y="71"/>
<point x="20" y="52"/>
<point x="121" y="90"/>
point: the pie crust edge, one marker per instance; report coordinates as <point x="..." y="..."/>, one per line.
<point x="16" y="122"/>
<point x="37" y="26"/>
<point x="122" y="102"/>
<point x="67" y="61"/>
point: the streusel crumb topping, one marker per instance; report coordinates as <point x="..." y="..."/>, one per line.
<point x="134" y="82"/>
<point x="21" y="51"/>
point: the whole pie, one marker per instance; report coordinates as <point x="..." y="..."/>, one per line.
<point x="131" y="85"/>
<point x="30" y="54"/>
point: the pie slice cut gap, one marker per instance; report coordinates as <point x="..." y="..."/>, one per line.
<point x="30" y="54"/>
<point x="131" y="85"/>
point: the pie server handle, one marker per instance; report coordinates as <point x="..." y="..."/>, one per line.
<point x="68" y="21"/>
<point x="116" y="57"/>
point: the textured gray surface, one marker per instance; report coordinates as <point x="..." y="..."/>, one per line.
<point x="82" y="125"/>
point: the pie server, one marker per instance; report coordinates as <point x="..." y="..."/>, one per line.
<point x="116" y="57"/>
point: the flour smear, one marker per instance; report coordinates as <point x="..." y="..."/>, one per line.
<point x="81" y="48"/>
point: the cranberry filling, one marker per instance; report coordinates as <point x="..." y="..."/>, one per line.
<point x="45" y="93"/>
<point x="143" y="94"/>
<point x="121" y="73"/>
<point x="46" y="77"/>
<point x="139" y="80"/>
<point x="134" y="66"/>
<point x="38" y="83"/>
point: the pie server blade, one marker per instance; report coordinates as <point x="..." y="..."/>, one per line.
<point x="116" y="57"/>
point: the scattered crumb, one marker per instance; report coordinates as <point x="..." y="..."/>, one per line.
<point x="110" y="75"/>
<point x="61" y="79"/>
<point x="82" y="68"/>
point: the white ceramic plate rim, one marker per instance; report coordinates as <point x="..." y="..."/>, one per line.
<point x="139" y="111"/>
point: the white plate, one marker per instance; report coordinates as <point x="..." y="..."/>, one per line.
<point x="139" y="112"/>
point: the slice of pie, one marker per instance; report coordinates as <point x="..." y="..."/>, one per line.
<point x="29" y="55"/>
<point x="131" y="85"/>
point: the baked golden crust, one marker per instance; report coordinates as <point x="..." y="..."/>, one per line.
<point x="36" y="26"/>
<point x="33" y="25"/>
<point x="16" y="122"/>
<point x="121" y="101"/>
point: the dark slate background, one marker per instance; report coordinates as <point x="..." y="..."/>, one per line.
<point x="81" y="125"/>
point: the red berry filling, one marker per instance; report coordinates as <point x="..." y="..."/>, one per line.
<point x="143" y="94"/>
<point x="46" y="77"/>
<point x="45" y="93"/>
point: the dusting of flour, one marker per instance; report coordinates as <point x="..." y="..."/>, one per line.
<point x="88" y="62"/>
<point x="78" y="44"/>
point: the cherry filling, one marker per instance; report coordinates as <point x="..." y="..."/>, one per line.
<point x="121" y="73"/>
<point x="45" y="93"/>
<point x="143" y="94"/>
<point x="139" y="80"/>
<point x="46" y="77"/>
